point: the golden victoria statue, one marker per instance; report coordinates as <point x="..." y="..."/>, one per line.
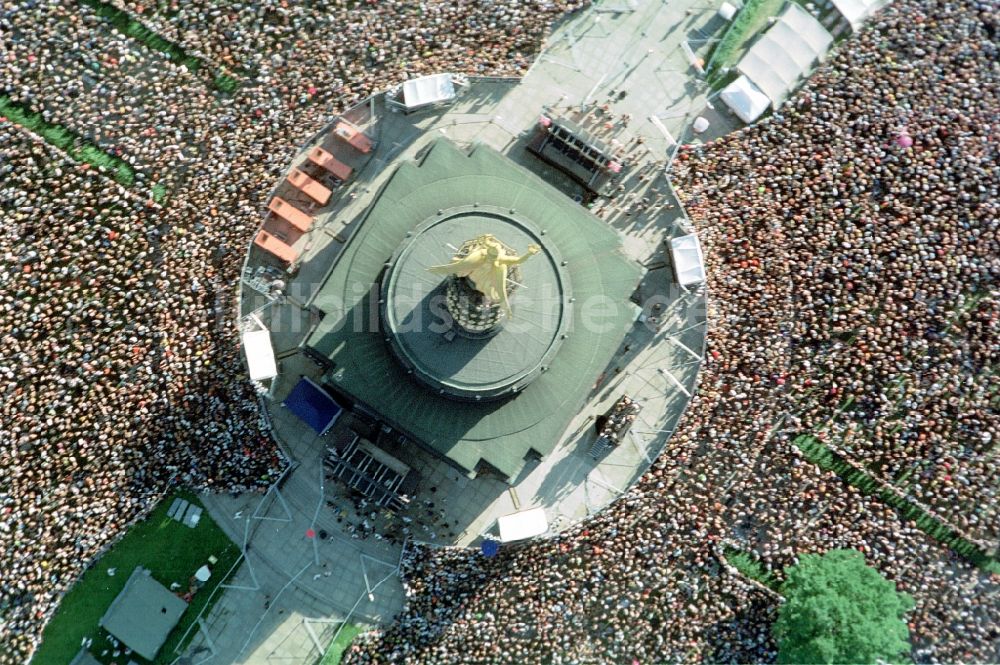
<point x="484" y="260"/>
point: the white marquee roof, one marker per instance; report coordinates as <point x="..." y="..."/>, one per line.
<point x="785" y="53"/>
<point x="260" y="355"/>
<point x="428" y="90"/>
<point x="523" y="524"/>
<point x="689" y="264"/>
<point x="745" y="99"/>
<point x="856" y="11"/>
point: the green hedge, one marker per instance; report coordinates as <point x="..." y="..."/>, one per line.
<point x="744" y="563"/>
<point x="159" y="193"/>
<point x="826" y="459"/>
<point x="124" y="23"/>
<point x="66" y="140"/>
<point x="226" y="83"/>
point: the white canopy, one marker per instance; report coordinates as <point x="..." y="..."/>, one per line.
<point x="689" y="264"/>
<point x="523" y="524"/>
<point x="745" y="99"/>
<point x="785" y="53"/>
<point x="260" y="355"/>
<point x="856" y="11"/>
<point x="428" y="90"/>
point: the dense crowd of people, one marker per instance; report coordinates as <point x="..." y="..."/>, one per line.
<point x="613" y="425"/>
<point x="114" y="389"/>
<point x="60" y="57"/>
<point x="886" y="202"/>
<point x="853" y="293"/>
<point x="342" y="49"/>
<point x="121" y="368"/>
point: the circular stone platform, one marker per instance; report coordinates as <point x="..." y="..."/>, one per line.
<point x="426" y="340"/>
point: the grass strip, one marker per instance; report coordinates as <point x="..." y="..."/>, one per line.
<point x="171" y="551"/>
<point x="826" y="459"/>
<point x="130" y="27"/>
<point x="68" y="141"/>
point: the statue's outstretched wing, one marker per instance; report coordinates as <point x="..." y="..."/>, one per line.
<point x="462" y="267"/>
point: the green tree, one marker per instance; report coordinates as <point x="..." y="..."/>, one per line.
<point x="839" y="610"/>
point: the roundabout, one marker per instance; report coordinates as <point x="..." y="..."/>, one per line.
<point x="595" y="317"/>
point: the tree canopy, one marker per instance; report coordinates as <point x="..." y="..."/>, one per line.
<point x="839" y="610"/>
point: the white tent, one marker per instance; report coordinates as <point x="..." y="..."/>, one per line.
<point x="523" y="524"/>
<point x="428" y="90"/>
<point x="689" y="264"/>
<point x="856" y="11"/>
<point x="745" y="99"/>
<point x="785" y="53"/>
<point x="260" y="355"/>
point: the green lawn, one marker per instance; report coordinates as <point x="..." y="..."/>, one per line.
<point x="170" y="550"/>
<point x="335" y="651"/>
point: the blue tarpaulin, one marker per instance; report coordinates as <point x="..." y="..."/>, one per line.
<point x="490" y="548"/>
<point x="313" y="405"/>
